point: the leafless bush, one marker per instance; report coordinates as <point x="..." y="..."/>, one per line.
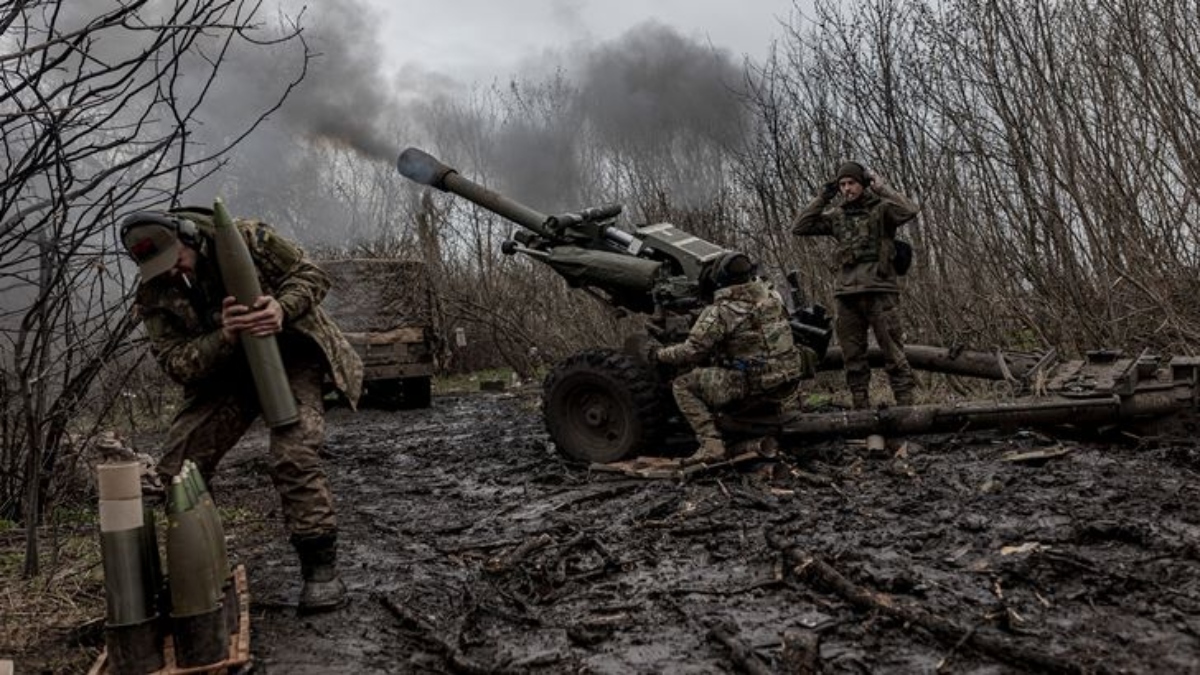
<point x="97" y="110"/>
<point x="1051" y="143"/>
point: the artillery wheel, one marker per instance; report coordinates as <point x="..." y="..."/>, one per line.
<point x="601" y="405"/>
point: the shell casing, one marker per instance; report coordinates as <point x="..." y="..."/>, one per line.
<point x="132" y="571"/>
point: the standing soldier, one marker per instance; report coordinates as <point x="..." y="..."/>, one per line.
<point x="194" y="325"/>
<point x="867" y="290"/>
<point x="743" y="349"/>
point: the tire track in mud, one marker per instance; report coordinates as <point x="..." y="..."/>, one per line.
<point x="468" y="543"/>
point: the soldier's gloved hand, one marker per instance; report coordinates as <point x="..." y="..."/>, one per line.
<point x="643" y="348"/>
<point x="650" y="352"/>
<point x="829" y="190"/>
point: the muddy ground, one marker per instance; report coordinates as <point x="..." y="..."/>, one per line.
<point x="469" y="545"/>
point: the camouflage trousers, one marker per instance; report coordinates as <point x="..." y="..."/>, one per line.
<point x="875" y="311"/>
<point x="702" y="391"/>
<point x="214" y="418"/>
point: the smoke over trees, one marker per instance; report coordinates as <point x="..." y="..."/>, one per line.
<point x="1052" y="145"/>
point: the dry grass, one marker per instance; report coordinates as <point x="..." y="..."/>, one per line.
<point x="52" y="622"/>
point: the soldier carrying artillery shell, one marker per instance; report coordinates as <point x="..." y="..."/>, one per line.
<point x="202" y="337"/>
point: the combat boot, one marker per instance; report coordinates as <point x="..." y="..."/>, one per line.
<point x="711" y="450"/>
<point x="764" y="446"/>
<point x="323" y="589"/>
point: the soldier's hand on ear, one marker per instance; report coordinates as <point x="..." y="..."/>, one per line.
<point x="829" y="190"/>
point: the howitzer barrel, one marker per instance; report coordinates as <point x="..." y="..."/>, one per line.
<point x="611" y="271"/>
<point x="421" y="167"/>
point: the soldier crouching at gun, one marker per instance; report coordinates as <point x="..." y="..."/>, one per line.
<point x="746" y="337"/>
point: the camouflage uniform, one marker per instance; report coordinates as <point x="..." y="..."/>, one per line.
<point x="220" y="401"/>
<point x="745" y="338"/>
<point x="868" y="289"/>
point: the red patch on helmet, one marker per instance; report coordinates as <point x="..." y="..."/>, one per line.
<point x="144" y="249"/>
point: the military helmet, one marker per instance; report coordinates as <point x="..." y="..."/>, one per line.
<point x="153" y="240"/>
<point x="153" y="237"/>
<point x="733" y="268"/>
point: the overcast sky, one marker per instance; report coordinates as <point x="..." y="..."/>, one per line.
<point x="382" y="66"/>
<point x="478" y="40"/>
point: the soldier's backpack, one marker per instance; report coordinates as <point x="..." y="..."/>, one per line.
<point x="904" y="256"/>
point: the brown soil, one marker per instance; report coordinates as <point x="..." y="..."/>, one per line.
<point x="470" y="545"/>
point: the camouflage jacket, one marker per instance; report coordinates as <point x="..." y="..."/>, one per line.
<point x="865" y="230"/>
<point x="745" y="328"/>
<point x="184" y="323"/>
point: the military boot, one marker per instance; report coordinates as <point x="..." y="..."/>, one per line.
<point x="764" y="446"/>
<point x="712" y="449"/>
<point x="323" y="589"/>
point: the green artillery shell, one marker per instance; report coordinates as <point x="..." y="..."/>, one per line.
<point x="152" y="563"/>
<point x="178" y="498"/>
<point x="122" y="524"/>
<point x="212" y="521"/>
<point x="241" y="280"/>
<point x="125" y="577"/>
<point x="189" y="564"/>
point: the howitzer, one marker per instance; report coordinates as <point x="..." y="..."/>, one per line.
<point x="601" y="405"/>
<point x="658" y="270"/>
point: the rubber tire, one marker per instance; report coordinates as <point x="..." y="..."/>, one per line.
<point x="601" y="405"/>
